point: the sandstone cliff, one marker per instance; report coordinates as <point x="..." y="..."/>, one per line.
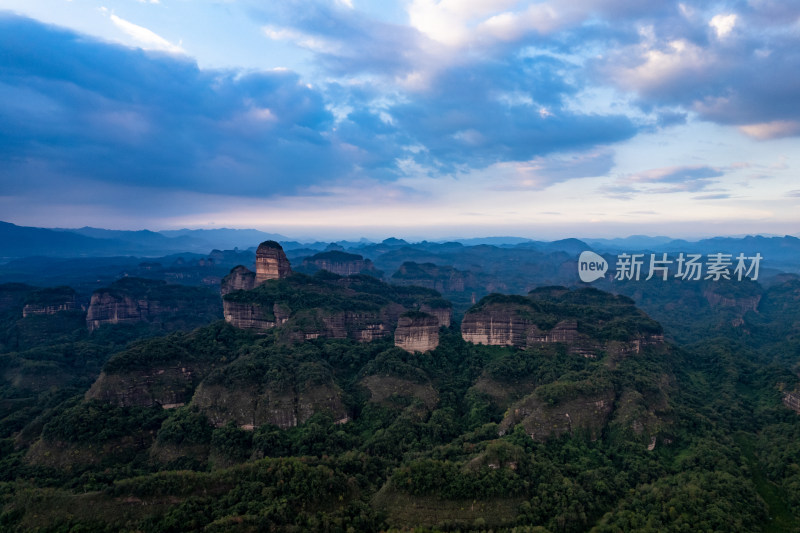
<point x="417" y="332"/>
<point x="271" y="262"/>
<point x="131" y="300"/>
<point x="341" y="263"/>
<point x="50" y="301"/>
<point x="587" y="321"/>
<point x="240" y="278"/>
<point x="357" y="307"/>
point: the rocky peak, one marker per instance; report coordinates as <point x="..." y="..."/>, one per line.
<point x="271" y="262"/>
<point x="240" y="278"/>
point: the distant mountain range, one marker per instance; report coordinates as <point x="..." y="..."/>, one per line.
<point x="21" y="241"/>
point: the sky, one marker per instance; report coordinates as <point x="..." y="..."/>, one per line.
<point x="415" y="118"/>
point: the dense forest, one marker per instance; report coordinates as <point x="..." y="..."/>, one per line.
<point x="690" y="434"/>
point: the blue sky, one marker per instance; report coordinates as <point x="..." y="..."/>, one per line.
<point x="418" y="118"/>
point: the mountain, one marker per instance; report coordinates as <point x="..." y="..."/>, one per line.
<point x="557" y="410"/>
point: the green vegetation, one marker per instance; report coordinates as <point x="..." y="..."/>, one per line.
<point x="696" y="438"/>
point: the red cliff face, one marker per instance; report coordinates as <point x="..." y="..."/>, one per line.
<point x="252" y="316"/>
<point x="106" y="308"/>
<point x="239" y="279"/>
<point x="417" y="333"/>
<point x="443" y="314"/>
<point x="496" y="325"/>
<point x="508" y="324"/>
<point x="271" y="262"/>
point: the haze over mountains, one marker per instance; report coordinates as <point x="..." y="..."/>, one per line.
<point x="23" y="241"/>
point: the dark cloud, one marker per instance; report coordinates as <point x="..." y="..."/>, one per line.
<point x="745" y="74"/>
<point x="105" y="112"/>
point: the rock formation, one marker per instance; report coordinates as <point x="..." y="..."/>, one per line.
<point x="130" y="300"/>
<point x="50" y="301"/>
<point x="496" y="325"/>
<point x="441" y="309"/>
<point x="417" y="332"/>
<point x="253" y="316"/>
<point x="431" y="276"/>
<point x="341" y="263"/>
<point x="239" y="279"/>
<point x="107" y="308"/>
<point x="271" y="262"/>
<point x="525" y="322"/>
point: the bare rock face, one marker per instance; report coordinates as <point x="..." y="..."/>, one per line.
<point x="552" y="315"/>
<point x="252" y="316"/>
<point x="271" y="262"/>
<point x="107" y="308"/>
<point x="417" y="333"/>
<point x="443" y="313"/>
<point x="50" y="301"/>
<point x="496" y="325"/>
<point x="130" y="300"/>
<point x="240" y="279"/>
<point x="341" y="263"/>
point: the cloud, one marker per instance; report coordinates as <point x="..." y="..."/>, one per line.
<point x="721" y="196"/>
<point x="723" y="24"/>
<point x="545" y="171"/>
<point x="737" y="69"/>
<point x="147" y="39"/>
<point x="112" y="114"/>
<point x="772" y="130"/>
<point x="665" y="180"/>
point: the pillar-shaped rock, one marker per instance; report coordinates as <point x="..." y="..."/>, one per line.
<point x="271" y="262"/>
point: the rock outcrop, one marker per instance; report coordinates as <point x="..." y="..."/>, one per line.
<point x="556" y="316"/>
<point x="441" y="309"/>
<point x="341" y="263"/>
<point x="417" y="332"/>
<point x="108" y="308"/>
<point x="496" y="325"/>
<point x="358" y="307"/>
<point x="131" y="300"/>
<point x="253" y="316"/>
<point x="271" y="262"/>
<point x="50" y="301"/>
<point x="431" y="276"/>
<point x="240" y="279"/>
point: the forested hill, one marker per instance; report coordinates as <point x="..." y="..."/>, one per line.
<point x="590" y="422"/>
